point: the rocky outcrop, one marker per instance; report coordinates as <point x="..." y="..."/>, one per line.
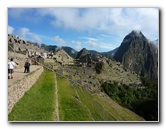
<point x="138" y="54"/>
<point x="17" y="90"/>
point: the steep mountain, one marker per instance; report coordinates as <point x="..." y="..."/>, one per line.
<point x="82" y="53"/>
<point x="138" y="54"/>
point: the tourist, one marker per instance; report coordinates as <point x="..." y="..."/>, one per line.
<point x="11" y="66"/>
<point x="27" y="66"/>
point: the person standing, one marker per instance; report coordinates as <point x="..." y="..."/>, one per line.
<point x="11" y="66"/>
<point x="26" y="66"/>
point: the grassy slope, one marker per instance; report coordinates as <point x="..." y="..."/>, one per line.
<point x="120" y="113"/>
<point x="88" y="107"/>
<point x="38" y="104"/>
<point x="98" y="113"/>
<point x="70" y="109"/>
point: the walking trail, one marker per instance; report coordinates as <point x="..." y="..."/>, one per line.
<point x="56" y="101"/>
<point x="19" y="74"/>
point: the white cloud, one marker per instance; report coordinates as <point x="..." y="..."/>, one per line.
<point x="19" y="12"/>
<point x="93" y="45"/>
<point x="23" y="32"/>
<point x="73" y="18"/>
<point x="10" y="29"/>
<point x="77" y="45"/>
<point x="36" y="38"/>
<point x="90" y="38"/>
<point x="110" y="24"/>
<point x="107" y="46"/>
<point x="59" y="41"/>
<point x="119" y="20"/>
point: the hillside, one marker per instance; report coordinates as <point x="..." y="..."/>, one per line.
<point x="74" y="103"/>
<point x="78" y="104"/>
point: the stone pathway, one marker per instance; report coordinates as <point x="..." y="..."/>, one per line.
<point x="19" y="74"/>
<point x="21" y="83"/>
<point x="56" y="102"/>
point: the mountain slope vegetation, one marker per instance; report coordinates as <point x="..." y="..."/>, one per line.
<point x="78" y="104"/>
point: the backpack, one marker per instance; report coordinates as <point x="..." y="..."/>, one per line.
<point x="26" y="64"/>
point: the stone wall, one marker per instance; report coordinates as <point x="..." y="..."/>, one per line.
<point x="17" y="90"/>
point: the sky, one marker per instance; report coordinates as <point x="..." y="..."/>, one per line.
<point x="100" y="29"/>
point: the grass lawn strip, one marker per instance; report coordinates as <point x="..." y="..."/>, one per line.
<point x="70" y="108"/>
<point x="38" y="103"/>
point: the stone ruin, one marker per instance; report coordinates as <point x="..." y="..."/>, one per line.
<point x="15" y="44"/>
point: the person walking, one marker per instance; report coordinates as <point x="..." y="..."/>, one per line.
<point x="11" y="66"/>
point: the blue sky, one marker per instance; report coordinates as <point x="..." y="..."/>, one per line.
<point x="101" y="29"/>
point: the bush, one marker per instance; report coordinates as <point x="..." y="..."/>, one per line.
<point x="99" y="67"/>
<point x="144" y="101"/>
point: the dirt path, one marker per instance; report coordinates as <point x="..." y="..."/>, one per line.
<point x="19" y="74"/>
<point x="56" y="102"/>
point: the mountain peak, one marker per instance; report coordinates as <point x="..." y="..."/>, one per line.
<point x="137" y="54"/>
<point x="82" y="53"/>
<point x="134" y="34"/>
<point x="137" y="33"/>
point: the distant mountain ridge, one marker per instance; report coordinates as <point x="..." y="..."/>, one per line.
<point x="111" y="53"/>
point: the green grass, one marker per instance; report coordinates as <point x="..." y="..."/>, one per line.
<point x="38" y="103"/>
<point x="120" y="113"/>
<point x="98" y="113"/>
<point x="89" y="107"/>
<point x="75" y="104"/>
<point x="70" y="108"/>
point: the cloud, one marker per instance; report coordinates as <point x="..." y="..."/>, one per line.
<point x="23" y="32"/>
<point x="99" y="26"/>
<point x="36" y="38"/>
<point x="121" y="20"/>
<point x="77" y="45"/>
<point x="107" y="46"/>
<point x="93" y="45"/>
<point x="73" y="18"/>
<point x="19" y="12"/>
<point x="10" y="29"/>
<point x="90" y="38"/>
<point x="59" y="41"/>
